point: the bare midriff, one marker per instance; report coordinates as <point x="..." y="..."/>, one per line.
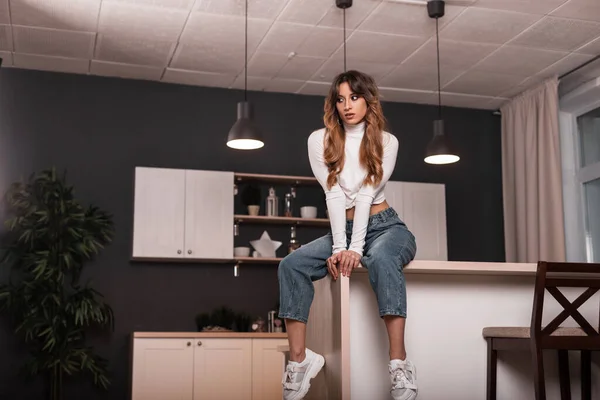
<point x="375" y="208"/>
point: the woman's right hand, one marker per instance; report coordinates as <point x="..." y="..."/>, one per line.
<point x="332" y="266"/>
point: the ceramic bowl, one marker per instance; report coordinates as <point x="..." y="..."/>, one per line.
<point x="241" y="251"/>
<point x="308" y="212"/>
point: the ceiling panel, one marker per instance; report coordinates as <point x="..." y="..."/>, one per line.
<point x="304" y="11"/>
<point x="74" y="15"/>
<point x="407" y="96"/>
<point x="321" y="42"/>
<point x="120" y="18"/>
<point x="412" y="75"/>
<point x="4" y="12"/>
<point x="483" y="83"/>
<point x="592" y="48"/>
<point x="469" y="101"/>
<point x="6" y="38"/>
<point x="541" y="7"/>
<point x="314" y="88"/>
<point x="125" y="70"/>
<point x="46" y="63"/>
<point x="580" y="9"/>
<point x="453" y="54"/>
<point x="284" y="85"/>
<point x="564" y="65"/>
<point x="332" y="67"/>
<point x="197" y="78"/>
<point x="134" y="50"/>
<point x="53" y="42"/>
<point x="256" y="8"/>
<point x="181" y="4"/>
<point x="284" y="37"/>
<point x="202" y="58"/>
<point x="266" y="65"/>
<point x="489" y="49"/>
<point x="223" y="32"/>
<point x="256" y="83"/>
<point x="488" y="26"/>
<point x="406" y="19"/>
<point x="528" y="61"/>
<point x="559" y="34"/>
<point x="300" y="67"/>
<point x="380" y="47"/>
<point x="7" y="58"/>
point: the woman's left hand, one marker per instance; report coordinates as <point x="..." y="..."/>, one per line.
<point x="347" y="261"/>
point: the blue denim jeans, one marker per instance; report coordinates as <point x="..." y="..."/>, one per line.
<point x="389" y="246"/>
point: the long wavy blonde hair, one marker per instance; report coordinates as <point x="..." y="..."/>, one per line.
<point x="371" y="147"/>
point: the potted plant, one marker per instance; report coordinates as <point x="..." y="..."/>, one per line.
<point x="250" y="197"/>
<point x="51" y="236"/>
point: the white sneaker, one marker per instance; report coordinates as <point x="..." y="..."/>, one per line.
<point x="297" y="376"/>
<point x="403" y="375"/>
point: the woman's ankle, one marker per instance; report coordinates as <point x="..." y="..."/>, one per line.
<point x="297" y="355"/>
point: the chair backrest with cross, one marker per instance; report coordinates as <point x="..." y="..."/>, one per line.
<point x="550" y="277"/>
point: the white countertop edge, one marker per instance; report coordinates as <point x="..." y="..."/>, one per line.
<point x="466" y="268"/>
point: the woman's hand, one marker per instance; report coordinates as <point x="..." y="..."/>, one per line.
<point x="347" y="261"/>
<point x="332" y="266"/>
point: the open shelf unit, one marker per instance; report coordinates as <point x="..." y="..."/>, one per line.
<point x="245" y="219"/>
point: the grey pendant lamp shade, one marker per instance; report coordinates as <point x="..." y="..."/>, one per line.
<point x="439" y="150"/>
<point x="244" y="134"/>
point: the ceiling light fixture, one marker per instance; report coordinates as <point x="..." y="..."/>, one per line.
<point x="244" y="134"/>
<point x="439" y="150"/>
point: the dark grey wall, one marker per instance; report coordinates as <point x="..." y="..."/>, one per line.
<point x="99" y="129"/>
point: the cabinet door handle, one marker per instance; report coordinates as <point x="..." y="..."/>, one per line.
<point x="189" y="252"/>
<point x="189" y="344"/>
<point x="178" y="251"/>
<point x="199" y="343"/>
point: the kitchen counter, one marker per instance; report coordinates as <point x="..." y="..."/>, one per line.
<point x="449" y="304"/>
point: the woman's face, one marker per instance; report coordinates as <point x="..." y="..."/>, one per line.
<point x="351" y="107"/>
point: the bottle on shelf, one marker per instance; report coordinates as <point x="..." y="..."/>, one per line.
<point x="294" y="244"/>
<point x="287" y="209"/>
<point x="272" y="203"/>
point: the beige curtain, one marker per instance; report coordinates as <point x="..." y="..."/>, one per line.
<point x="531" y="176"/>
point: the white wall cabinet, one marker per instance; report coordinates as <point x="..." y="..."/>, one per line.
<point x="207" y="368"/>
<point x="183" y="214"/>
<point x="422" y="206"/>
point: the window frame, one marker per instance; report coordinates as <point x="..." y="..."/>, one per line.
<point x="572" y="105"/>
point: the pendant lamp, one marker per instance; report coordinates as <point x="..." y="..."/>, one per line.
<point x="244" y="134"/>
<point x="439" y="150"/>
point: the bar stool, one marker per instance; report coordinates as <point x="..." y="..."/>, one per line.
<point x="536" y="338"/>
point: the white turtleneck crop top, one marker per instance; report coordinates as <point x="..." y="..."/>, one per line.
<point x="349" y="191"/>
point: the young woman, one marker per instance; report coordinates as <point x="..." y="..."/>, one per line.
<point x="352" y="158"/>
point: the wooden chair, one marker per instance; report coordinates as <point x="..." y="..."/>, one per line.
<point x="535" y="338"/>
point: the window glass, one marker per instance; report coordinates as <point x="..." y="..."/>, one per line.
<point x="589" y="137"/>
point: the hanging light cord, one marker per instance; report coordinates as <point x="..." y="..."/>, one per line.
<point x="246" y="55"/>
<point x="437" y="40"/>
<point x="344" y="39"/>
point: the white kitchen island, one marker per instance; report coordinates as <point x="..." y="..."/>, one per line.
<point x="449" y="303"/>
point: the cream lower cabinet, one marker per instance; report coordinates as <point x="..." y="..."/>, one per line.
<point x="422" y="206"/>
<point x="206" y="369"/>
